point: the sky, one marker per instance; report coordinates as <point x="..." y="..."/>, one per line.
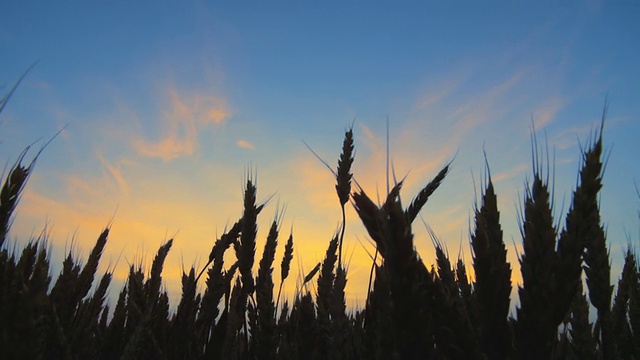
<point x="165" y="107"/>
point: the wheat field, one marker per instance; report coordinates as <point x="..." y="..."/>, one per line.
<point x="412" y="311"/>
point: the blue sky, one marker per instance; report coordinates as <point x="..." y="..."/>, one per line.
<point x="166" y="105"/>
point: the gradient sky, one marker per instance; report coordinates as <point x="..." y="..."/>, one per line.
<point x="167" y="105"/>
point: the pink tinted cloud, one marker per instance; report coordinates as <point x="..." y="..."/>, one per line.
<point x="547" y="112"/>
<point x="245" y="145"/>
<point x="184" y="118"/>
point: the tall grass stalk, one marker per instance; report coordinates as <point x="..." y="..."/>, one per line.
<point x="492" y="287"/>
<point x="412" y="310"/>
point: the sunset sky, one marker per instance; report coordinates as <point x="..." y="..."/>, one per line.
<point x="166" y="106"/>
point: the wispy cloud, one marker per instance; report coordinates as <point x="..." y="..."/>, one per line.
<point x="457" y="120"/>
<point x="115" y="171"/>
<point x="430" y="138"/>
<point x="547" y="112"/>
<point x="312" y="177"/>
<point x="435" y="96"/>
<point x="184" y="118"/>
<point x="518" y="170"/>
<point x="64" y="215"/>
<point x="445" y="86"/>
<point x="245" y="144"/>
<point x="569" y="137"/>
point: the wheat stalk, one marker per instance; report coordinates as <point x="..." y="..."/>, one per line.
<point x="285" y="265"/>
<point x="343" y="179"/>
<point x="535" y="328"/>
<point x="583" y="345"/>
<point x="492" y="287"/>
<point x="620" y="308"/>
<point x="265" y="331"/>
<point x="10" y="193"/>
<point x="421" y="199"/>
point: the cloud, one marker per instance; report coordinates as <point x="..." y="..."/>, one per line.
<point x="35" y="207"/>
<point x="185" y="117"/>
<point x="570" y="137"/>
<point x="312" y="179"/>
<point x="517" y="170"/>
<point x="547" y="112"/>
<point x="116" y="173"/>
<point x="437" y="94"/>
<point x="78" y="187"/>
<point x="409" y="156"/>
<point x="455" y="121"/>
<point x="429" y="138"/>
<point x="245" y="144"/>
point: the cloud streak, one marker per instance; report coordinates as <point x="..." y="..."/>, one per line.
<point x="245" y="145"/>
<point x="547" y="112"/>
<point x="115" y="171"/>
<point x="184" y="118"/>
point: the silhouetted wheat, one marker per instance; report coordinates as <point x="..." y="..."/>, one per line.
<point x="412" y="311"/>
<point x="582" y="345"/>
<point x="536" y="329"/>
<point x="492" y="287"/>
<point x="343" y="182"/>
<point x="265" y="330"/>
<point x="621" y="306"/>
<point x="14" y="182"/>
<point x="285" y="266"/>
